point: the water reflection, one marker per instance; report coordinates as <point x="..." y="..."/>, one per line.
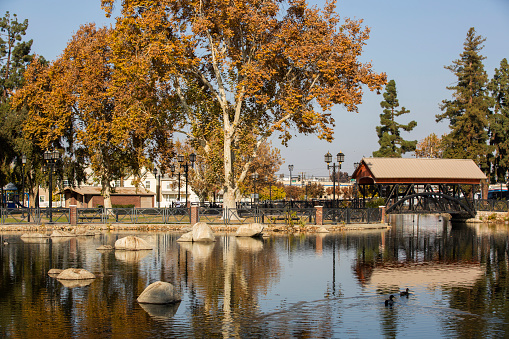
<point x="321" y="286"/>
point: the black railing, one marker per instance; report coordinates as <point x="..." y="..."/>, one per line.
<point x="181" y="215"/>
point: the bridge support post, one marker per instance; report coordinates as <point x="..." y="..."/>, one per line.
<point x="382" y="211"/>
<point x="319" y="215"/>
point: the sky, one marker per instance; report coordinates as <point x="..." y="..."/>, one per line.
<point x="410" y="40"/>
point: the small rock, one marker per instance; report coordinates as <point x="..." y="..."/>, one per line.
<point x="322" y="229"/>
<point x="54" y="272"/>
<point x="58" y="233"/>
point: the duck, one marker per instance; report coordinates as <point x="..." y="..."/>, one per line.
<point x="405" y="293"/>
<point x="390" y="301"/>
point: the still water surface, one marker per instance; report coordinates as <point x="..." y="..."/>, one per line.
<point x="297" y="286"/>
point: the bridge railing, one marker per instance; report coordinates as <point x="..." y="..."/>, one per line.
<point x="491" y="205"/>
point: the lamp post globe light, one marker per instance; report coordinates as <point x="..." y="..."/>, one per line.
<point x="51" y="158"/>
<point x="340" y="157"/>
<point x="290" y="168"/>
<point x="180" y="159"/>
<point x="173" y="170"/>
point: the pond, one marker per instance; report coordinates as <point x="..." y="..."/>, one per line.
<point x="283" y="286"/>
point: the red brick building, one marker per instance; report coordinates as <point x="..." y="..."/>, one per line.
<point x="90" y="197"/>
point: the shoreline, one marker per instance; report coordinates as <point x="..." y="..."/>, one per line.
<point x="82" y="228"/>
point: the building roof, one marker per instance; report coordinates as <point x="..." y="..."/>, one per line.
<point x="94" y="190"/>
<point x="419" y="170"/>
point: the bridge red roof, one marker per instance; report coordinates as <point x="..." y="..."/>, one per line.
<point x="418" y="171"/>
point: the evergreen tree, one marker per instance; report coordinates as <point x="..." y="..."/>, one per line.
<point x="14" y="57"/>
<point x="391" y="142"/>
<point x="468" y="111"/>
<point x="499" y="120"/>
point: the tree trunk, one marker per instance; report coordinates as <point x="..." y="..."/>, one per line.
<point x="107" y="195"/>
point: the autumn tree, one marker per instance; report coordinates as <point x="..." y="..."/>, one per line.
<point x="499" y="121"/>
<point x="468" y="111"/>
<point x="429" y="147"/>
<point x="248" y="69"/>
<point x="73" y="102"/>
<point x="391" y="142"/>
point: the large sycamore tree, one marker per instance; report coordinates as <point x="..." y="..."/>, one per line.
<point x="246" y="68"/>
<point x="73" y="103"/>
<point x="469" y="109"/>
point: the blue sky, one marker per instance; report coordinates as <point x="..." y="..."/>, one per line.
<point x="410" y="40"/>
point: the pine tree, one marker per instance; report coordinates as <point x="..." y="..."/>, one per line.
<point x="391" y="142"/>
<point x="468" y="111"/>
<point x="499" y="120"/>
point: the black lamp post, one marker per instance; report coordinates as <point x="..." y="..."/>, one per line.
<point x="328" y="159"/>
<point x="157" y="176"/>
<point x="192" y="159"/>
<point x="290" y="168"/>
<point x="51" y="158"/>
<point x="254" y="176"/>
<point x="23" y="163"/>
<point x="172" y="169"/>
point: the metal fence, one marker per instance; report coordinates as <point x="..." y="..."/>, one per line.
<point x="181" y="215"/>
<point x="491" y="205"/>
<point x="352" y="215"/>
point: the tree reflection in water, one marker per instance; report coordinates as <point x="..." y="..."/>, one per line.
<point x="330" y="285"/>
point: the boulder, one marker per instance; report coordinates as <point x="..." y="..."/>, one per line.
<point x="131" y="243"/>
<point x="203" y="232"/>
<point x="59" y="233"/>
<point x="159" y="292"/>
<point x="250" y="230"/>
<point x="75" y="274"/>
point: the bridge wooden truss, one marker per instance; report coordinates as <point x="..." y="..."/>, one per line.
<point x="428" y="198"/>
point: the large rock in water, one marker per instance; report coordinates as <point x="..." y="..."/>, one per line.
<point x="159" y="292"/>
<point x="201" y="233"/>
<point x="75" y="274"/>
<point x="131" y="243"/>
<point x="250" y="230"/>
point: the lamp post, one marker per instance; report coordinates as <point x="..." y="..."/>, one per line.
<point x="23" y="163"/>
<point x="290" y="167"/>
<point x="51" y="158"/>
<point x="328" y="159"/>
<point x="254" y="176"/>
<point x="172" y="169"/>
<point x="157" y="176"/>
<point x="308" y="185"/>
<point x="192" y="159"/>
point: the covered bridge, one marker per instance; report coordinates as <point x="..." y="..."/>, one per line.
<point x="421" y="185"/>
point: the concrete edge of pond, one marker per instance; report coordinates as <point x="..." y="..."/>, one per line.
<point x="185" y="227"/>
